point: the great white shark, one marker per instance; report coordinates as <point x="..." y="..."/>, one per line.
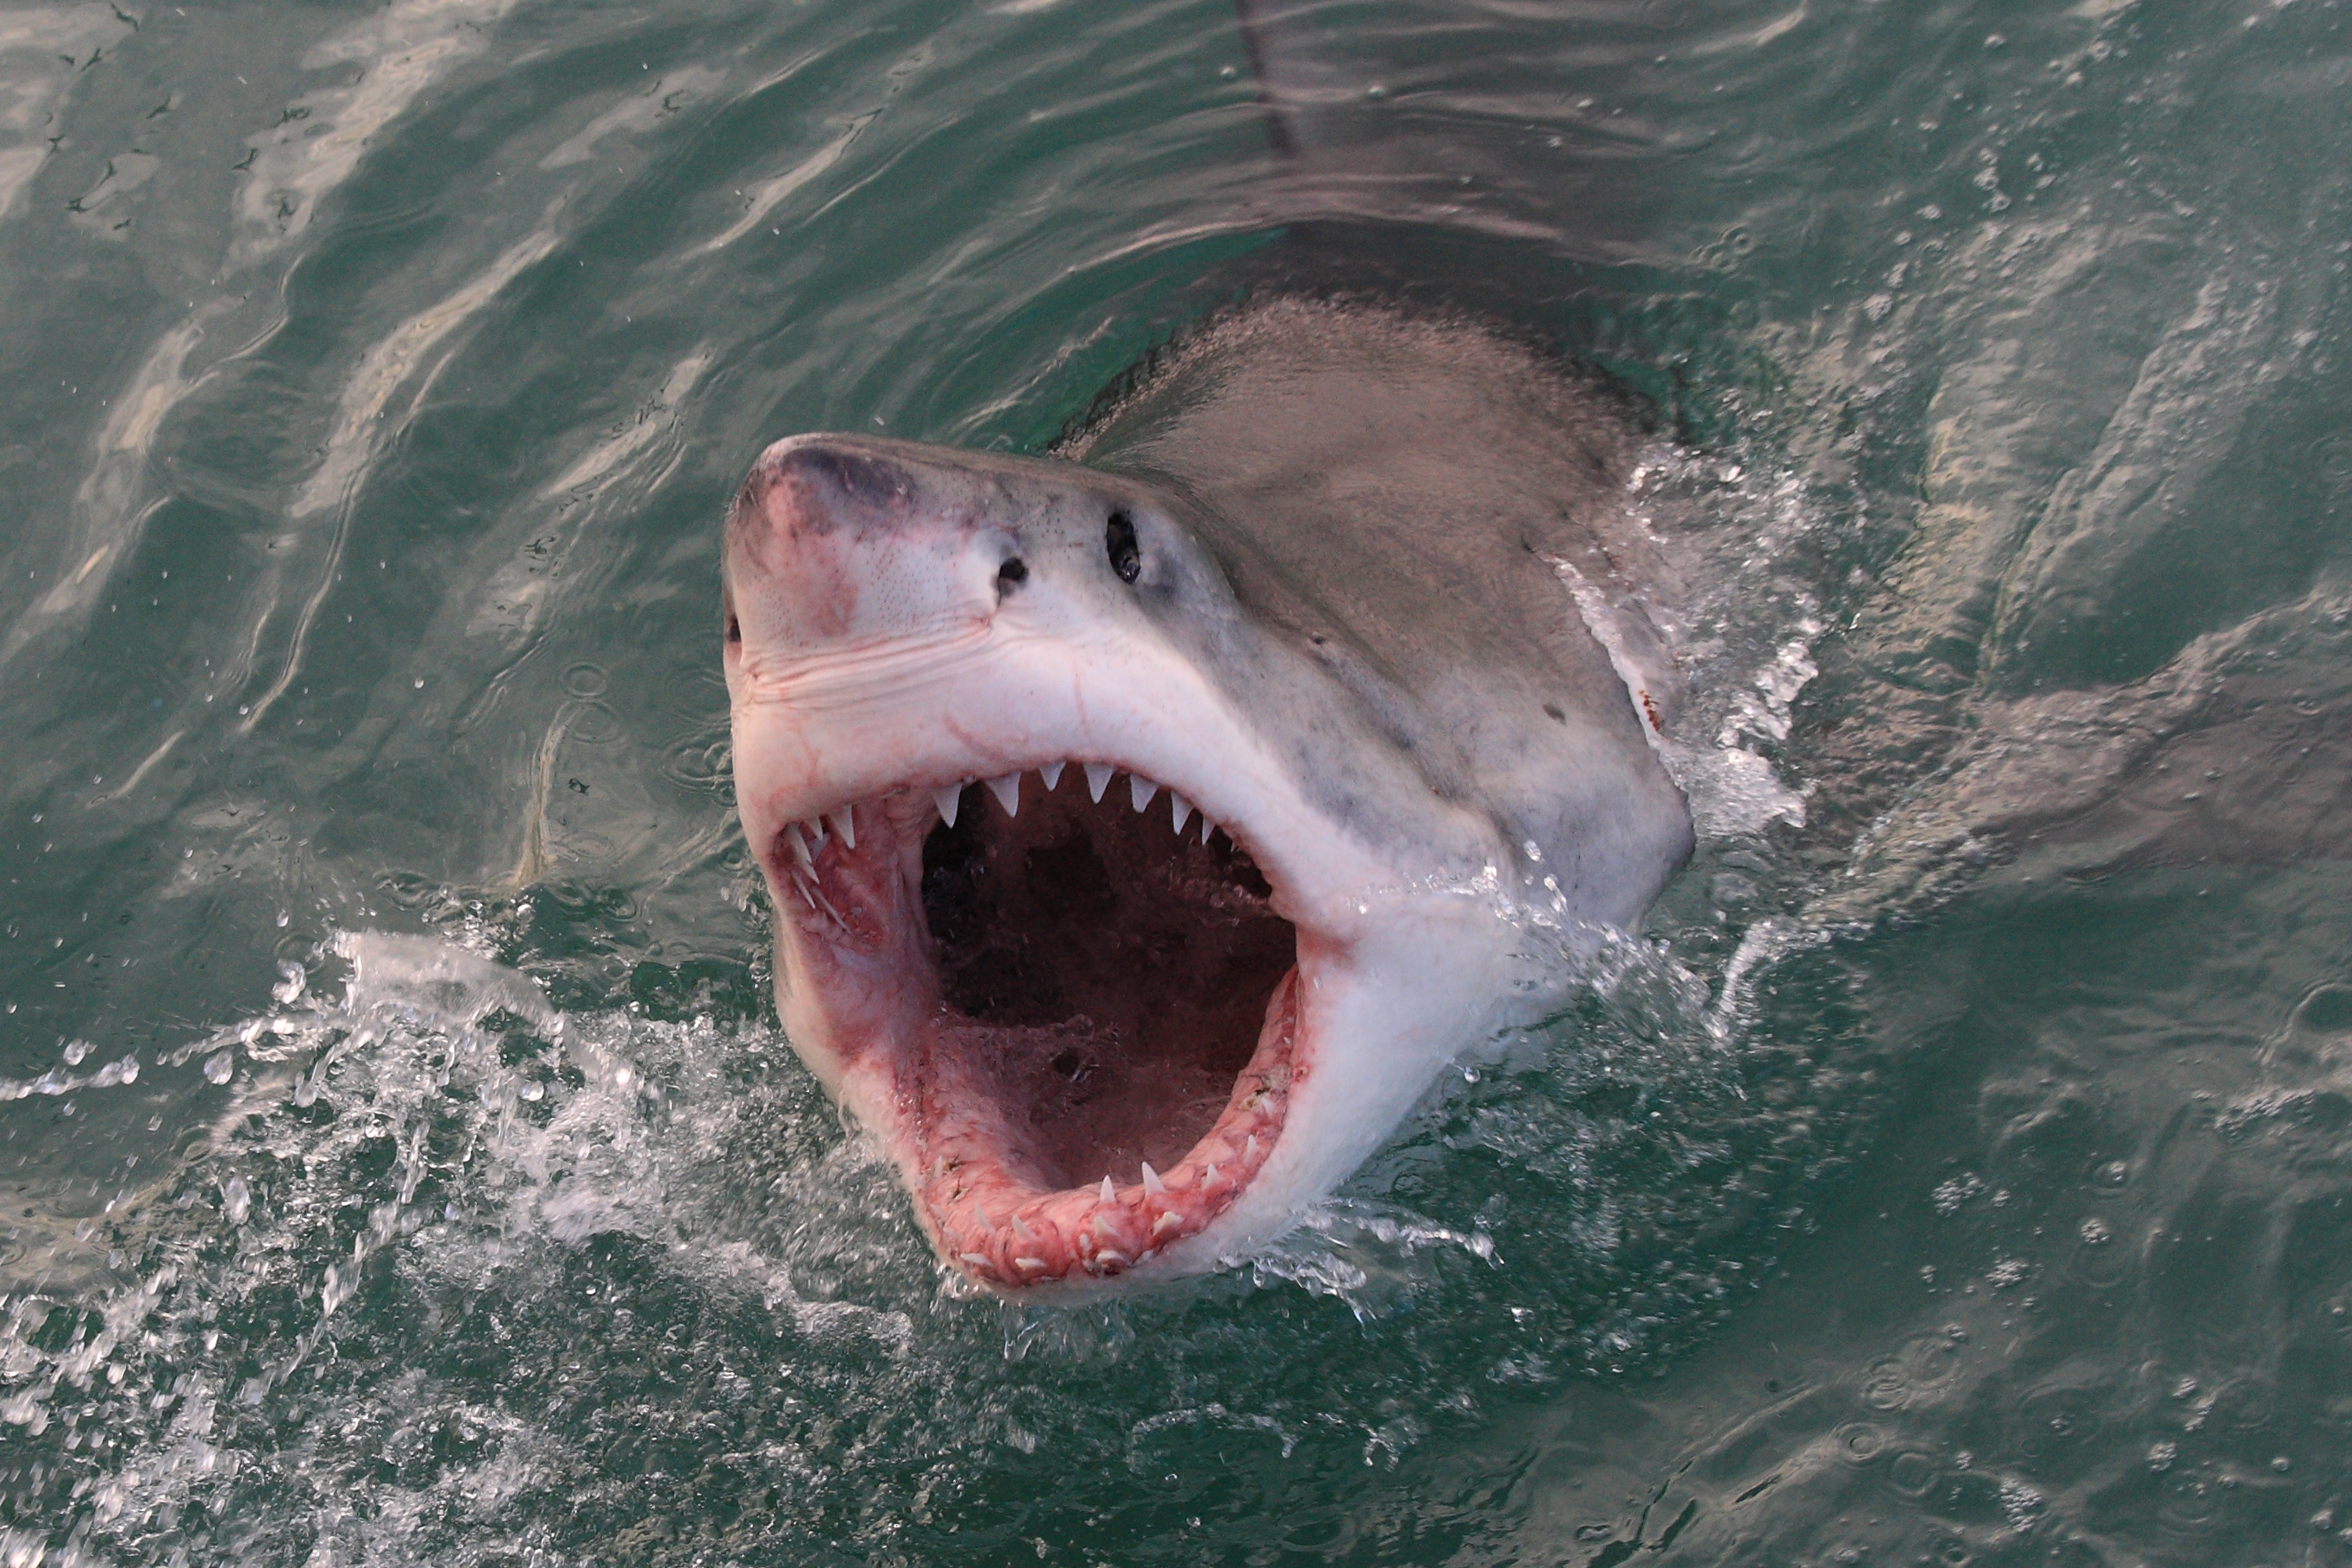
<point x="1145" y="825"/>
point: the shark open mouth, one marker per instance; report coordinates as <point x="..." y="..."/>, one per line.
<point x="1098" y="1020"/>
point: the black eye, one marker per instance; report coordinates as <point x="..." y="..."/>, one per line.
<point x="1014" y="570"/>
<point x="1119" y="543"/>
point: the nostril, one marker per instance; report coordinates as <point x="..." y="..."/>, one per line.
<point x="1013" y="571"/>
<point x="1119" y="543"/>
<point x="734" y="628"/>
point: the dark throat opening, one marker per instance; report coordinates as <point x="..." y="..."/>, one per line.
<point x="1120" y="969"/>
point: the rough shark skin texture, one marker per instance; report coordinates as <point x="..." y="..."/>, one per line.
<point x="1145" y="825"/>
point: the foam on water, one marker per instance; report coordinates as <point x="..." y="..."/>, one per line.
<point x="440" y="1228"/>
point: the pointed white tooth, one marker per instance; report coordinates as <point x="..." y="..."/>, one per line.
<point x="1170" y="1220"/>
<point x="1007" y="791"/>
<point x="800" y="847"/>
<point x="1151" y="1181"/>
<point x="1141" y="790"/>
<point x="807" y="897"/>
<point x="1052" y="773"/>
<point x="1251" y="1151"/>
<point x="1023" y="1230"/>
<point x="1111" y="1255"/>
<point x="1098" y="778"/>
<point x="946" y="797"/>
<point x="845" y="822"/>
<point x="1176" y="803"/>
<point x="977" y="1260"/>
<point x="1108" y="1195"/>
<point x="1212" y="1178"/>
<point x="1207" y="827"/>
<point x="1033" y="1265"/>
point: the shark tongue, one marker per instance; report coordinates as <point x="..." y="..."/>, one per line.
<point x="1003" y="1220"/>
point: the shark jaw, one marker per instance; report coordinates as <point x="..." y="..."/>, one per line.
<point x="1075" y="1020"/>
<point x="1100" y="1033"/>
<point x="1115" y="1012"/>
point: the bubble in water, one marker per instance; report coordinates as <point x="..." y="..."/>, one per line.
<point x="1859" y="1442"/>
<point x="217" y="1066"/>
<point x="75" y="1051"/>
<point x="586" y="681"/>
<point x="1955" y="1192"/>
<point x="1912" y="1474"/>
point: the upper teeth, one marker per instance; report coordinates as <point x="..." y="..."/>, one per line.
<point x="808" y="837"/>
<point x="1140" y="791"/>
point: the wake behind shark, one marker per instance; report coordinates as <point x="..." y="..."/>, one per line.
<point x="1119" y="811"/>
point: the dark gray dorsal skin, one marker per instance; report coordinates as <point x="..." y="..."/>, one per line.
<point x="1399" y="497"/>
<point x="1361" y="589"/>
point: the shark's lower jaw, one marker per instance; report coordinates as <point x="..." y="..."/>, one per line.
<point x="1074" y="1019"/>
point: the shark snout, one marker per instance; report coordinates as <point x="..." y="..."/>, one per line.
<point x="834" y="540"/>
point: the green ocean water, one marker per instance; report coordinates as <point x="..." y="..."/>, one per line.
<point x="398" y="1160"/>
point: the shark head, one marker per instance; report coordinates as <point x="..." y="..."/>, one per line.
<point x="1110" y="891"/>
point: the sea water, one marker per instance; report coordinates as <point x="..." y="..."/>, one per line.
<point x="398" y="1158"/>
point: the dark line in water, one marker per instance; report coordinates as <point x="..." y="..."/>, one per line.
<point x="1277" y="129"/>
